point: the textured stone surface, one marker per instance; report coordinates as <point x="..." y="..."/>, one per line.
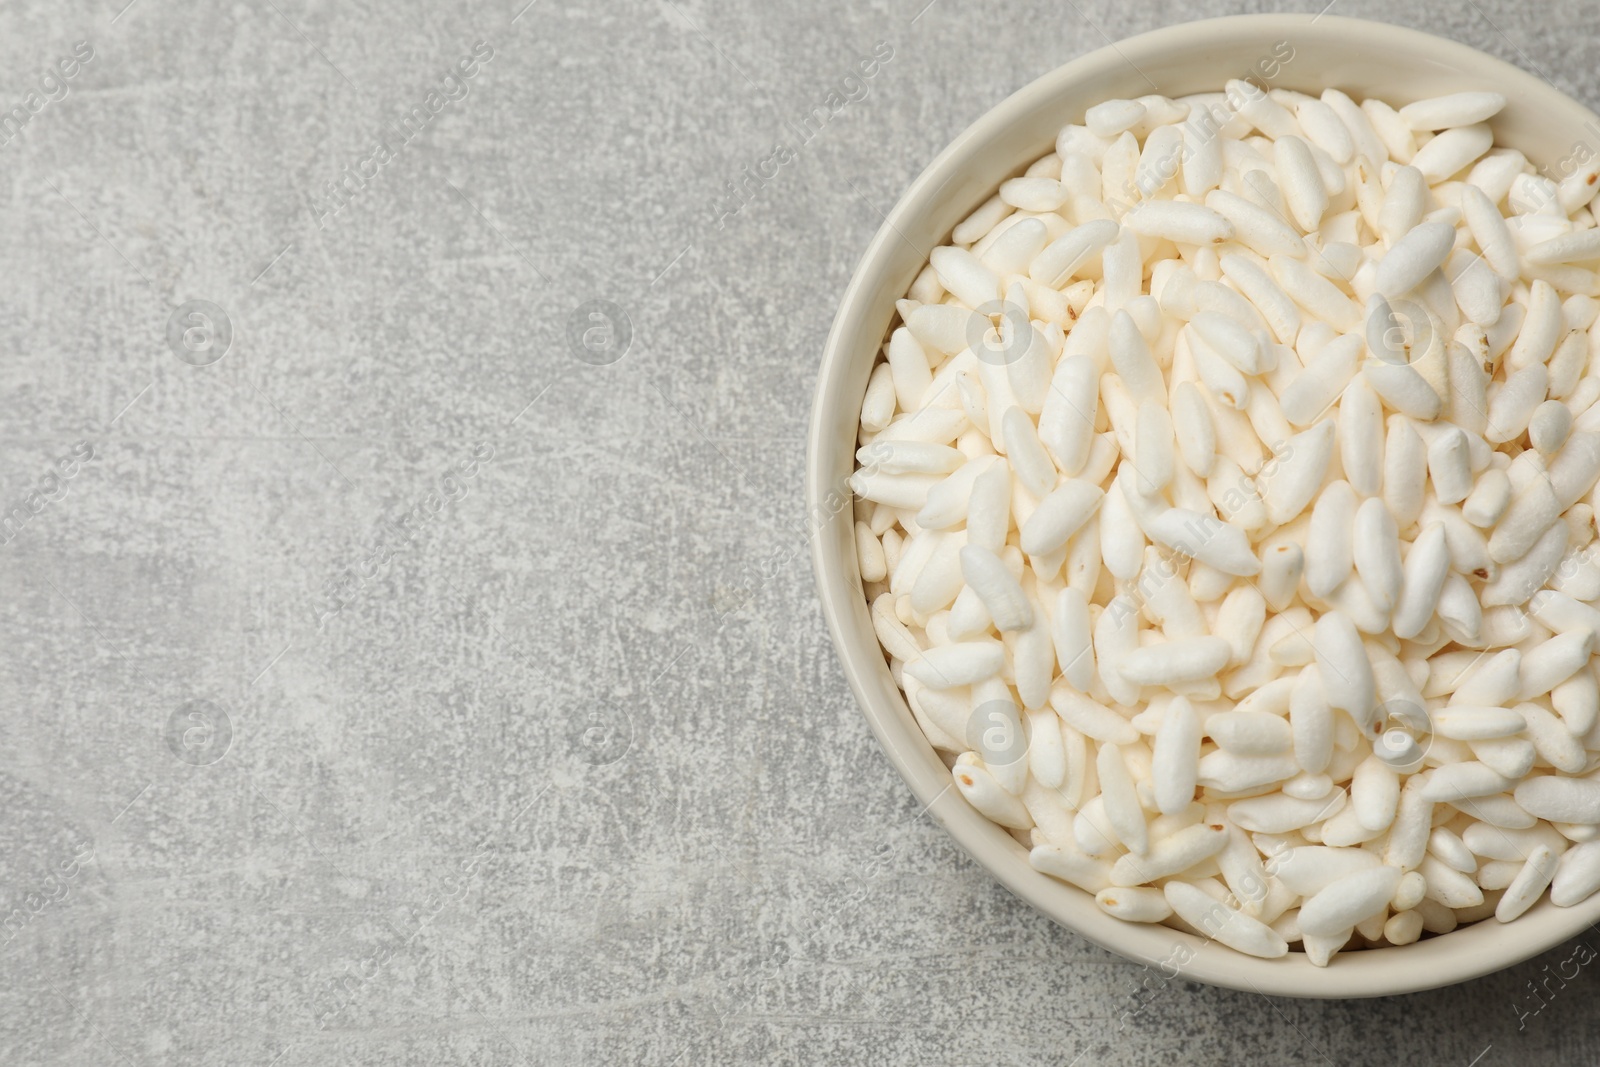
<point x="541" y="776"/>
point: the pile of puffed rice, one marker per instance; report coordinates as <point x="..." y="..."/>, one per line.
<point x="1226" y="507"/>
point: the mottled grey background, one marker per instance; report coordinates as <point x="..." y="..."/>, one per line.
<point x="566" y="772"/>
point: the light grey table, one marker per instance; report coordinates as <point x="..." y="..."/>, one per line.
<point x="404" y="665"/>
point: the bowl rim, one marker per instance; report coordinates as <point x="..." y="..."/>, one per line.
<point x="1470" y="952"/>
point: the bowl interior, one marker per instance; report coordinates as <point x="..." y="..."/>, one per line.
<point x="1363" y="59"/>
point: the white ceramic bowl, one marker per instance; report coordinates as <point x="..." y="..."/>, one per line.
<point x="1362" y="58"/>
